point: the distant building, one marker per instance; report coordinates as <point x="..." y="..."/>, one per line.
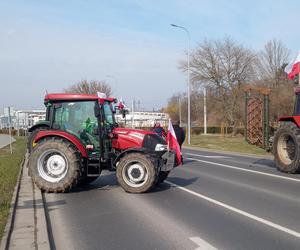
<point x="143" y="119"/>
<point x="24" y="119"/>
<point x="21" y="119"/>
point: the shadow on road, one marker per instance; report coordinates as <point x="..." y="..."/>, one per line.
<point x="264" y="162"/>
<point x="103" y="182"/>
<point x="109" y="181"/>
<point x="183" y="182"/>
<point x="38" y="203"/>
<point x="185" y="161"/>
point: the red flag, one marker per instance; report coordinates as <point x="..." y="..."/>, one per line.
<point x="293" y="68"/>
<point x="173" y="143"/>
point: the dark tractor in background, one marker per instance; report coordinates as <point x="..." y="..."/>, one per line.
<point x="286" y="144"/>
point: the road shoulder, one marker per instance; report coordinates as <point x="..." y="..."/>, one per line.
<point x="267" y="156"/>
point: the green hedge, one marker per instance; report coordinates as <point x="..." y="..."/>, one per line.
<point x="215" y="130"/>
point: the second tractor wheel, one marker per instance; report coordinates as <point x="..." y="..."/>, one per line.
<point x="136" y="173"/>
<point x="286" y="148"/>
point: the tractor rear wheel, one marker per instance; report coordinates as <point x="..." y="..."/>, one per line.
<point x="54" y="165"/>
<point x="136" y="173"/>
<point x="286" y="148"/>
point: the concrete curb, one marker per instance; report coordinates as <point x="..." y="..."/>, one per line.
<point x="271" y="157"/>
<point x="12" y="212"/>
<point x="26" y="227"/>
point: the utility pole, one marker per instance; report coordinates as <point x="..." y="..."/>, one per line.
<point x="179" y="107"/>
<point x="204" y="107"/>
<point x="132" y="115"/>
<point x="9" y="131"/>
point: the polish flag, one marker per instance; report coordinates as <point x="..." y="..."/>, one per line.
<point x="293" y="68"/>
<point x="173" y="143"/>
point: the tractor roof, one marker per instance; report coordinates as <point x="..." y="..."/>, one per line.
<point x="74" y="97"/>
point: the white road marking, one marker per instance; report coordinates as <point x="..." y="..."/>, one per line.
<point x="209" y="156"/>
<point x="246" y="170"/>
<point x="236" y="210"/>
<point x="203" y="245"/>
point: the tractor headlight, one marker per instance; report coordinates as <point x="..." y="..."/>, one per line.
<point x="160" y="147"/>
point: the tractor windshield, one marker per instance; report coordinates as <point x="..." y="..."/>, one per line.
<point x="108" y="112"/>
<point x="78" y="118"/>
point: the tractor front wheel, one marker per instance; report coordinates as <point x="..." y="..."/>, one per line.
<point x="136" y="173"/>
<point x="286" y="148"/>
<point x="54" y="165"/>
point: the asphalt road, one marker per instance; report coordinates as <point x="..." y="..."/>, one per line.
<point x="213" y="201"/>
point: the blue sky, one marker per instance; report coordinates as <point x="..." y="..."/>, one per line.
<point x="49" y="45"/>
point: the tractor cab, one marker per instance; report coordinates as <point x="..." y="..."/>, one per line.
<point x="87" y="117"/>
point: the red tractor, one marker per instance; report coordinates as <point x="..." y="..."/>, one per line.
<point x="80" y="138"/>
<point x="286" y="144"/>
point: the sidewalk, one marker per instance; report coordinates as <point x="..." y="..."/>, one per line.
<point x="26" y="228"/>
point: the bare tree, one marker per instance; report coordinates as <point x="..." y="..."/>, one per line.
<point x="90" y="87"/>
<point x="224" y="67"/>
<point x="272" y="60"/>
<point x="172" y="107"/>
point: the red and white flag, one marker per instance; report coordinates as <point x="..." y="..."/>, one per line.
<point x="293" y="68"/>
<point x="173" y="143"/>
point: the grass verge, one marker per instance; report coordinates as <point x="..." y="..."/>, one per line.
<point x="225" y="143"/>
<point x="9" y="169"/>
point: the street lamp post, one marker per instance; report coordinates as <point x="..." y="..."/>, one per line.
<point x="188" y="80"/>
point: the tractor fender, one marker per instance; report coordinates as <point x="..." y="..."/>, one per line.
<point x="55" y="133"/>
<point x="39" y="125"/>
<point x="128" y="151"/>
<point x="295" y="119"/>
